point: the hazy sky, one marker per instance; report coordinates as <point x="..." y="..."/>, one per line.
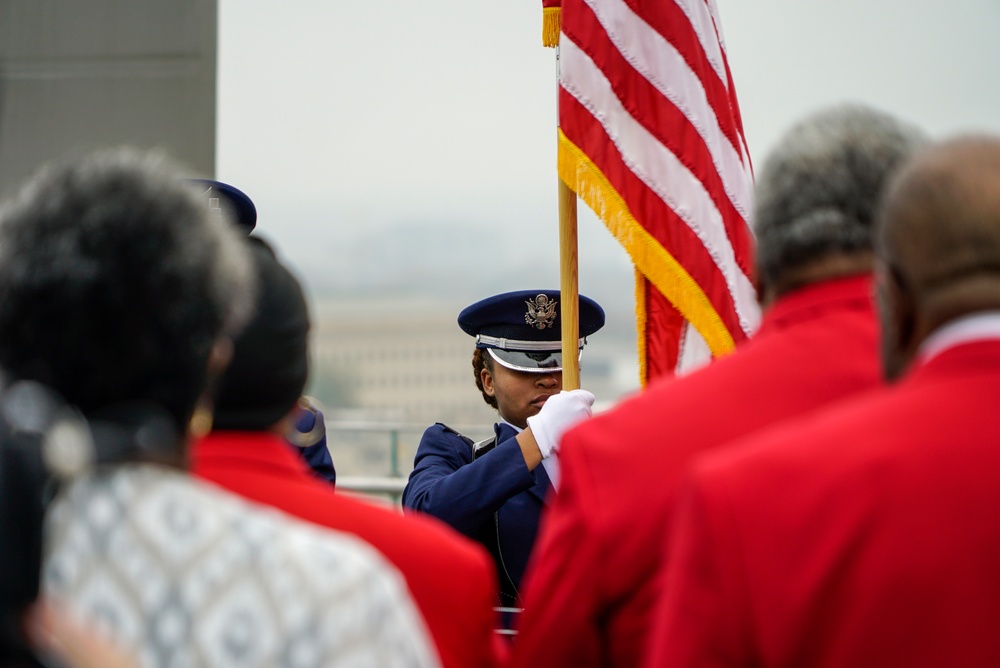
<point x="340" y="116"/>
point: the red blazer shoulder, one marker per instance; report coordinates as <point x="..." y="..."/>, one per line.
<point x="860" y="536"/>
<point x="592" y="584"/>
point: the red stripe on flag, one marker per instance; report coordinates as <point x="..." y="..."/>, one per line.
<point x="734" y="104"/>
<point x="672" y="23"/>
<point x="667" y="123"/>
<point x="660" y="220"/>
<point x="691" y="214"/>
<point x="662" y="341"/>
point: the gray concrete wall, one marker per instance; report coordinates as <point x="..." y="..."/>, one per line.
<point x="79" y="74"/>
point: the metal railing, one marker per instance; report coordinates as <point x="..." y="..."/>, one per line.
<point x="388" y="485"/>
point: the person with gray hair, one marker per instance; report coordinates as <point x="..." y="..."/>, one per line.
<point x="867" y="535"/>
<point x="595" y="574"/>
<point x="119" y="295"/>
<point x="815" y="197"/>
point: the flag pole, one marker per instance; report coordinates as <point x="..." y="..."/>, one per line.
<point x="569" y="289"/>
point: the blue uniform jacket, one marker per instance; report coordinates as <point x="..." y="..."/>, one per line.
<point x="310" y="439"/>
<point x="494" y="499"/>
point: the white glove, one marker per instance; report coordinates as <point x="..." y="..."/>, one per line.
<point x="559" y="413"/>
<point x="551" y="466"/>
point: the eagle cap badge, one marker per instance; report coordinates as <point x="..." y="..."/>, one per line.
<point x="541" y="311"/>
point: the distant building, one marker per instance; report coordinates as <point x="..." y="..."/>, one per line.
<point x="75" y="76"/>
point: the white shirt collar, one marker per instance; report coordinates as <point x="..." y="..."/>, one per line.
<point x="517" y="429"/>
<point x="976" y="327"/>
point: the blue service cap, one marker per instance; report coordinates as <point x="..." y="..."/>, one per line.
<point x="522" y="330"/>
<point x="233" y="201"/>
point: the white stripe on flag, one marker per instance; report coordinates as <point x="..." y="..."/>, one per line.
<point x="717" y="24"/>
<point x="662" y="65"/>
<point x="713" y="9"/>
<point x="704" y="27"/>
<point x="693" y="351"/>
<point x="658" y="168"/>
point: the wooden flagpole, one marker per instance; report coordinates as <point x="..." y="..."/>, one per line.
<point x="569" y="289"/>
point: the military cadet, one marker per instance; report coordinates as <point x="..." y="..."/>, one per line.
<point x="493" y="491"/>
<point x="308" y="433"/>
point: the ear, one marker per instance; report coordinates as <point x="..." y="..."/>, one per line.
<point x="487" y="379"/>
<point x="898" y="319"/>
<point x="763" y="295"/>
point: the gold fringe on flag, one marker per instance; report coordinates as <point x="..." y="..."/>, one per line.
<point x="650" y="258"/>
<point x="551" y="26"/>
<point x="641" y="318"/>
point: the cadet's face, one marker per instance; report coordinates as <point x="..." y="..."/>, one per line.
<point x="520" y="394"/>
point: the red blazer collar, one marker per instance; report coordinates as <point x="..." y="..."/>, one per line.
<point x="256" y="446"/>
<point x="811" y="300"/>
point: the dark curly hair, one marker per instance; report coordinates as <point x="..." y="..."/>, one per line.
<point x="115" y="282"/>
<point x="482" y="360"/>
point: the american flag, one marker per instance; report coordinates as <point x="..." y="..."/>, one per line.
<point x="651" y="139"/>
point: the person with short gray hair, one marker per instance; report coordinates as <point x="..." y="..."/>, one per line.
<point x="815" y="196"/>
<point x="866" y="535"/>
<point x="119" y="293"/>
<point x="595" y="573"/>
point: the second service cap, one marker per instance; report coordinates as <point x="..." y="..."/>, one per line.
<point x="233" y="202"/>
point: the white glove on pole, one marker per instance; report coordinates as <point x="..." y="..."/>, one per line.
<point x="559" y="413"/>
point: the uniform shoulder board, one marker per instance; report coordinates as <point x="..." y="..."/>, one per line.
<point x="479" y="448"/>
<point x="462" y="436"/>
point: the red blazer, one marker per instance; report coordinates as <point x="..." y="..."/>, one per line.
<point x="589" y="591"/>
<point x="451" y="578"/>
<point x="865" y="536"/>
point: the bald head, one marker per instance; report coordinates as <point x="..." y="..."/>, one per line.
<point x="938" y="243"/>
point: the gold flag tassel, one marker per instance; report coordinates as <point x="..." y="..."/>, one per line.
<point x="550" y="26"/>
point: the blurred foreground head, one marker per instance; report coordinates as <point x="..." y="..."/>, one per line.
<point x="270" y="364"/>
<point x="938" y="244"/>
<point x="116" y="285"/>
<point x="816" y="194"/>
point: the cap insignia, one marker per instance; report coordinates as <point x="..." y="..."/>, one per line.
<point x="541" y="312"/>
